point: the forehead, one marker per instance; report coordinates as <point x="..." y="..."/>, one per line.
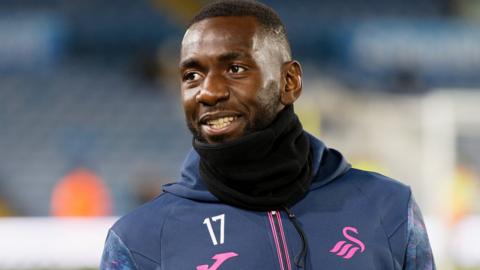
<point x="220" y="34"/>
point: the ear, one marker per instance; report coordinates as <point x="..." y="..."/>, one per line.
<point x="292" y="82"/>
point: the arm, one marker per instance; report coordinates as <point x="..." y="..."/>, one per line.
<point x="419" y="253"/>
<point x="116" y="256"/>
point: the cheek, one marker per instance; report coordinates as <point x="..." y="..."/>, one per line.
<point x="188" y="100"/>
<point x="268" y="97"/>
<point x="189" y="95"/>
<point x="249" y="89"/>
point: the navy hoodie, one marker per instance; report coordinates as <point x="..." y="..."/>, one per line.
<point x="349" y="219"/>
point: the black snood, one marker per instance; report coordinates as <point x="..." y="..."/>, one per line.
<point x="263" y="170"/>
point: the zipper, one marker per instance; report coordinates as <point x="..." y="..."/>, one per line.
<point x="279" y="237"/>
<point x="301" y="258"/>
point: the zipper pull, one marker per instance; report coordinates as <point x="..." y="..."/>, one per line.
<point x="301" y="258"/>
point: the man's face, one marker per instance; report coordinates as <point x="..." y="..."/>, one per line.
<point x="230" y="78"/>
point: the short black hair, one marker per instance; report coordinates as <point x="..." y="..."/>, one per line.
<point x="265" y="15"/>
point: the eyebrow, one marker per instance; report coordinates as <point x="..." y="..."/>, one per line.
<point x="225" y="57"/>
<point x="190" y="63"/>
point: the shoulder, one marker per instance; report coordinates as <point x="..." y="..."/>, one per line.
<point x="390" y="199"/>
<point x="377" y="187"/>
<point x="388" y="196"/>
<point x="147" y="215"/>
<point x="141" y="229"/>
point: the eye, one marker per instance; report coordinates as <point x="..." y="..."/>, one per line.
<point x="191" y="76"/>
<point x="236" y="69"/>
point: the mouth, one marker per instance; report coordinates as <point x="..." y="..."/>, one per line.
<point x="220" y="126"/>
<point x="220" y="123"/>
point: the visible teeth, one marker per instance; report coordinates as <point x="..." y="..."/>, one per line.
<point x="220" y="122"/>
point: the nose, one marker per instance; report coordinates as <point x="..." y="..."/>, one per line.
<point x="213" y="91"/>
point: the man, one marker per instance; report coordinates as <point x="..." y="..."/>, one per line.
<point x="257" y="191"/>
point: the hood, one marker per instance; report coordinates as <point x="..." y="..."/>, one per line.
<point x="328" y="164"/>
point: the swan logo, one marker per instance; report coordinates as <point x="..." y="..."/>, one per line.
<point x="346" y="249"/>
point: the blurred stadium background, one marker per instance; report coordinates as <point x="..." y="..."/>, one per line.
<point x="91" y="123"/>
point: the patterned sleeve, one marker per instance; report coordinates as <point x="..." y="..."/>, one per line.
<point x="419" y="253"/>
<point x="116" y="255"/>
